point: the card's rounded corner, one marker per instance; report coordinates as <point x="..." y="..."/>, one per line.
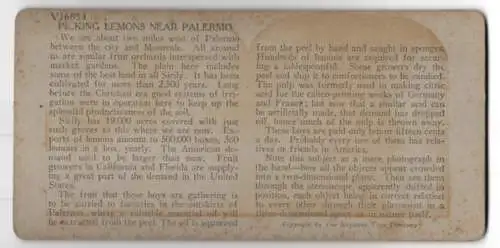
<point x="22" y="12"/>
<point x="477" y="235"/>
<point x="480" y="236"/>
<point x="20" y="231"/>
<point x="480" y="14"/>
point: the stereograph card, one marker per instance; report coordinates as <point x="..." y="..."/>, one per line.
<point x="249" y="125"/>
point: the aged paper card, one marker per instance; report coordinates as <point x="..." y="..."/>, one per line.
<point x="249" y="125"/>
